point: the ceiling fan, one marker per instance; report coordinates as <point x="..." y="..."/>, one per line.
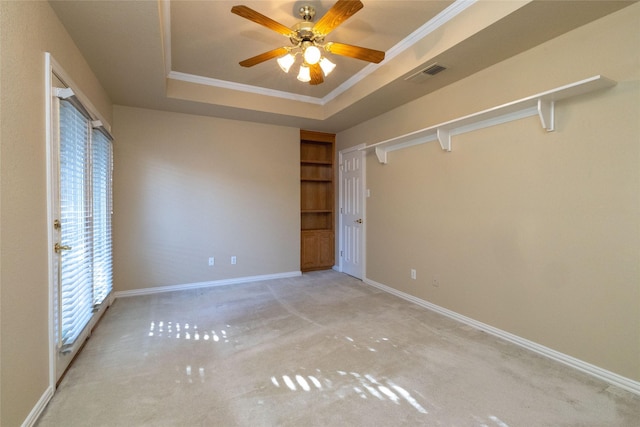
<point x="307" y="39"/>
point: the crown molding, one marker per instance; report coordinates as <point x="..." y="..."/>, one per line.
<point x="430" y="26"/>
<point x="225" y="84"/>
<point x="438" y="21"/>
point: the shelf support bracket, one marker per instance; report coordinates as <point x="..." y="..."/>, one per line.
<point x="381" y="154"/>
<point x="444" y="137"/>
<point x="542" y="103"/>
<point x="546" y="113"/>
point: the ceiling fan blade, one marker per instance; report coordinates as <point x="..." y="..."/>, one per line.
<point x="357" y="52"/>
<point x="258" y="18"/>
<point x="316" y="74"/>
<point x="339" y="12"/>
<point x="264" y="57"/>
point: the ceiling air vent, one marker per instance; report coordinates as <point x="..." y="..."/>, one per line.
<point x="430" y="70"/>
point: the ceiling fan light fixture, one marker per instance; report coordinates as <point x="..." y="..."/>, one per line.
<point x="308" y="40"/>
<point x="304" y="75"/>
<point x="327" y="66"/>
<point x="285" y="62"/>
<point x="312" y="55"/>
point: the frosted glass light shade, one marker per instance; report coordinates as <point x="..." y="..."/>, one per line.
<point x="304" y="74"/>
<point x="285" y="62"/>
<point x="312" y="55"/>
<point x="327" y="66"/>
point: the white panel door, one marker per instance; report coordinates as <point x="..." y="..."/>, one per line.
<point x="352" y="212"/>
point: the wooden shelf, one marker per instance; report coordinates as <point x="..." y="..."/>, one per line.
<point x="541" y="104"/>
<point x="319" y="220"/>
<point x="316" y="172"/>
<point x="316" y="200"/>
<point x="316" y="162"/>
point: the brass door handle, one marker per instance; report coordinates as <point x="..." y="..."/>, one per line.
<point x="359" y="221"/>
<point x="59" y="248"/>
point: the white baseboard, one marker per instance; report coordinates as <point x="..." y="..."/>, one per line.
<point x="38" y="408"/>
<point x="595" y="371"/>
<point x="198" y="285"/>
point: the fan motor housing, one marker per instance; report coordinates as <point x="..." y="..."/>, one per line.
<point x="304" y="32"/>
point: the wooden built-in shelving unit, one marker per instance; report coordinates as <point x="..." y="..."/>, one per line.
<point x="317" y="192"/>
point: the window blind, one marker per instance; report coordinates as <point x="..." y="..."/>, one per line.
<point x="102" y="209"/>
<point x="86" y="159"/>
<point x="76" y="299"/>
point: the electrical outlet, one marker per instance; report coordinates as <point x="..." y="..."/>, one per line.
<point x="413" y="274"/>
<point x="435" y="282"/>
<point x="233" y="260"/>
<point x="212" y="261"/>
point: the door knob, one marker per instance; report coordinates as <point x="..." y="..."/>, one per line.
<point x="359" y="221"/>
<point x="59" y="248"/>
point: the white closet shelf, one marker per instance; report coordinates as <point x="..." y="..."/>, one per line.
<point x="541" y="104"/>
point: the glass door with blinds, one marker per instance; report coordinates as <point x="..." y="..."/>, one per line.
<point x="82" y="226"/>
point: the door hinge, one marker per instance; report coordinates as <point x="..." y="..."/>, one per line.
<point x="340" y="253"/>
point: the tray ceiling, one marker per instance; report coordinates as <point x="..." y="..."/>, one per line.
<point x="183" y="56"/>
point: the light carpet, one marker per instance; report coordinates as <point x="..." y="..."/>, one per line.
<point x="322" y="349"/>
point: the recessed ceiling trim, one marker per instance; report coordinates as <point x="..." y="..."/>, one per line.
<point x="439" y="20"/>
<point x="165" y="33"/>
<point x="433" y="24"/>
<point x="192" y="78"/>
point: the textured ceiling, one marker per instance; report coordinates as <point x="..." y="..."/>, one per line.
<point x="183" y="55"/>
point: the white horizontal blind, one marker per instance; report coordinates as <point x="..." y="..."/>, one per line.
<point x="102" y="209"/>
<point x="76" y="294"/>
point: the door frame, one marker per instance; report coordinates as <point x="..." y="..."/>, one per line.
<point x="52" y="189"/>
<point x="52" y="68"/>
<point x="363" y="171"/>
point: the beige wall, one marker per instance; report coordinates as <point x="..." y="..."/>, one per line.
<point x="189" y="187"/>
<point x="532" y="232"/>
<point x="535" y="233"/>
<point x="27" y="30"/>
